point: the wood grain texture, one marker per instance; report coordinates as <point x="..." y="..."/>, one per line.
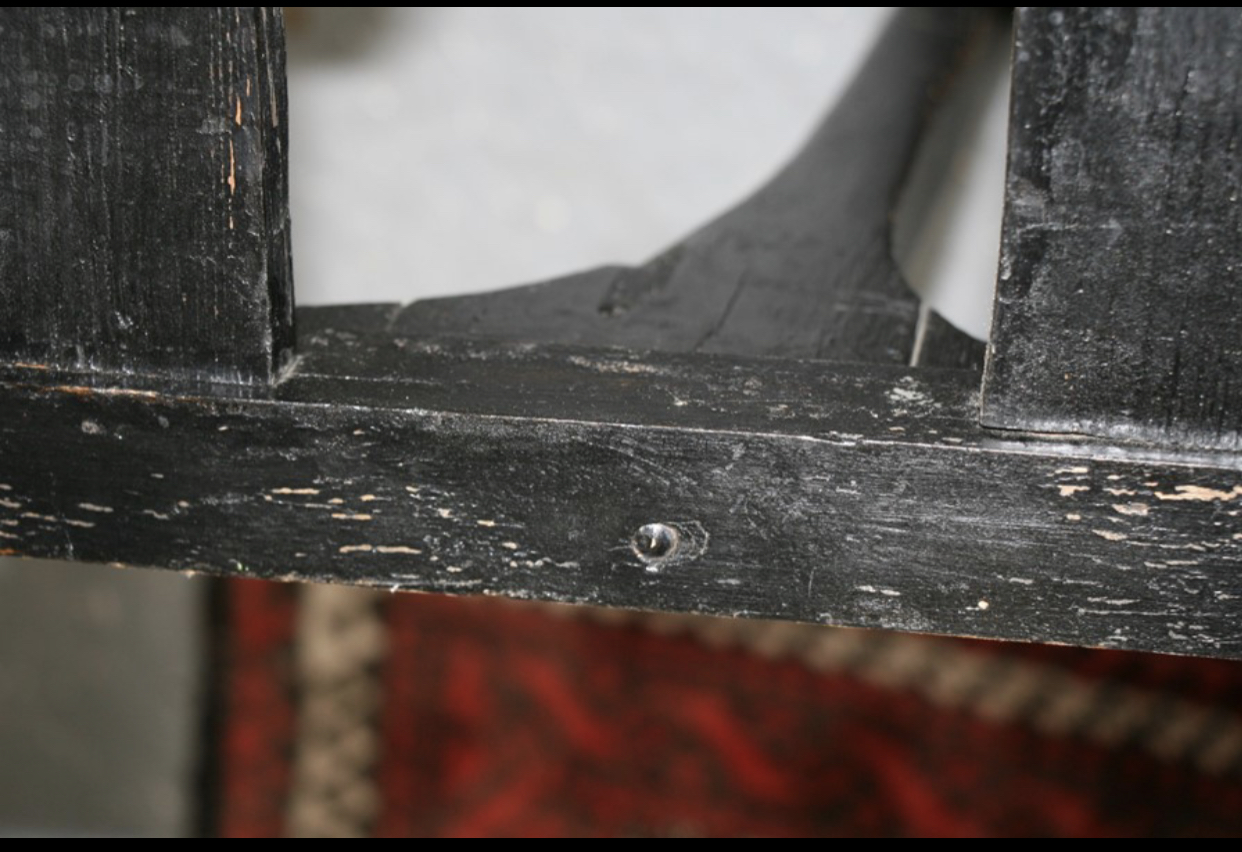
<point x="802" y="269"/>
<point x="143" y="217"/>
<point x="863" y="494"/>
<point x="1119" y="310"/>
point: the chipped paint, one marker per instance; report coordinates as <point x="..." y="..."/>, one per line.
<point x="1136" y="509"/>
<point x="907" y="395"/>
<point x="1110" y="535"/>
<point x="1198" y="492"/>
<point x="93" y="507"/>
<point x="348" y="516"/>
<point x="1071" y="490"/>
<point x="600" y="365"/>
<point x="387" y="549"/>
<point x="295" y="491"/>
<point x="872" y="590"/>
<point x="84" y="391"/>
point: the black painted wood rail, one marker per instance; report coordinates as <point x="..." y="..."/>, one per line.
<point x="760" y="422"/>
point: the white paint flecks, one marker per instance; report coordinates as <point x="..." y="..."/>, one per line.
<point x="872" y="590"/>
<point x="1198" y="492"/>
<point x="380" y="548"/>
<point x="907" y="395"/>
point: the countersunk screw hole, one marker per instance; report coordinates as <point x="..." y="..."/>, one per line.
<point x="655" y="542"/>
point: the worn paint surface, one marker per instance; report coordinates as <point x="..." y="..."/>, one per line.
<point x="713" y="480"/>
<point x="1117" y="309"/>
<point x="144" y="217"/>
<point x="862" y="495"/>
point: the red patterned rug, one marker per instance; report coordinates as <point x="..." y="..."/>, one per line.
<point x="351" y="712"/>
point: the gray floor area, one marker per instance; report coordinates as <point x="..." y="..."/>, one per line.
<point x="100" y="690"/>
<point x="438" y="151"/>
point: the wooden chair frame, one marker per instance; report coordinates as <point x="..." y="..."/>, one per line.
<point x="760" y="422"/>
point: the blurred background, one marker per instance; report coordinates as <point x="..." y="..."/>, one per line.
<point x="440" y="151"/>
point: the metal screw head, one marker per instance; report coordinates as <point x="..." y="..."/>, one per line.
<point x="654" y="543"/>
